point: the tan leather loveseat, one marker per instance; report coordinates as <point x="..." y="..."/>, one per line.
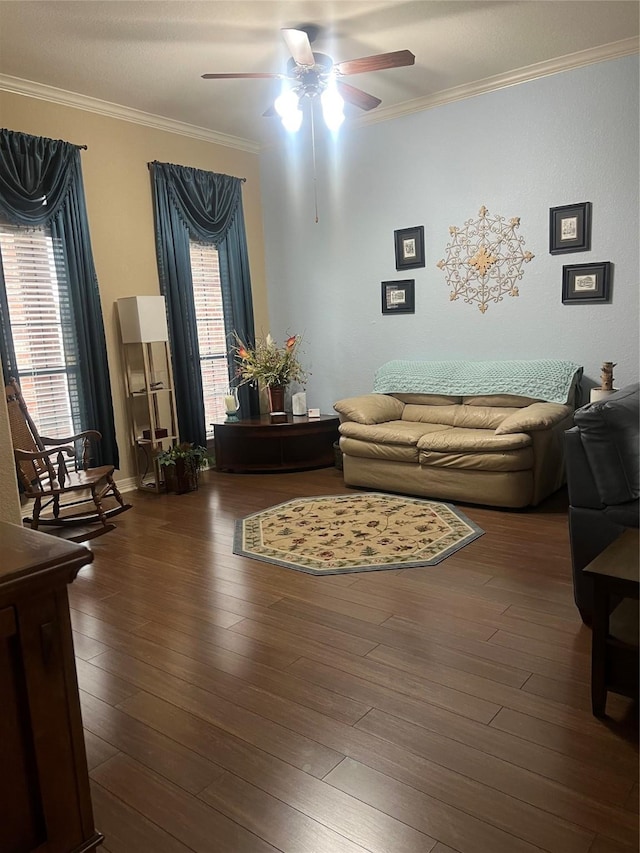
<point x="497" y="449"/>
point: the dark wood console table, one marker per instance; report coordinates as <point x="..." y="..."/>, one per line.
<point x="614" y="650"/>
<point x="258" y="444"/>
<point x="45" y="803"/>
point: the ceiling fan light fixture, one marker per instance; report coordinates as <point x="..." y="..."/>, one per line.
<point x="286" y="105"/>
<point x="293" y="121"/>
<point x="332" y="105"/>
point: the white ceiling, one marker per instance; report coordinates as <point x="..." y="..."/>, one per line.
<point x="149" y="55"/>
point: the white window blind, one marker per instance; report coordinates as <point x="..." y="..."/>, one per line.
<point x="207" y="295"/>
<point x="35" y="282"/>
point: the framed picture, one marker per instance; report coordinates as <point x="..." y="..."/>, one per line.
<point x="570" y="228"/>
<point x="409" y="247"/>
<point x="398" y="297"/>
<point x="586" y="282"/>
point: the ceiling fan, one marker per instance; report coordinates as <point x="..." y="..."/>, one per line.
<point x="310" y="75"/>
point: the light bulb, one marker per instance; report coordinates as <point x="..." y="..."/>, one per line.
<point x="292" y="121"/>
<point x="332" y="106"/>
<point x="286" y="105"/>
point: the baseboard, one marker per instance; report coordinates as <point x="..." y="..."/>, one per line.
<point x="129" y="484"/>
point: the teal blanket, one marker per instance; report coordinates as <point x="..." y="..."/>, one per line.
<point x="544" y="379"/>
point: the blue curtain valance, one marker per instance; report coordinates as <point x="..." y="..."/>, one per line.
<point x="205" y="201"/>
<point x="35" y="176"/>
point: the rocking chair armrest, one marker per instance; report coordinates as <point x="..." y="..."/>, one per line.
<point x="88" y="433"/>
<point x="26" y="455"/>
<point x="86" y="436"/>
<point x="53" y="470"/>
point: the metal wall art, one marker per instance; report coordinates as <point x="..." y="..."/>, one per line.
<point x="485" y="259"/>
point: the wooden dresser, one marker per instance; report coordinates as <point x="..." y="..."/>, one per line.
<point x="45" y="804"/>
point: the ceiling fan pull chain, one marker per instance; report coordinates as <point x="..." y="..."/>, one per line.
<point x="313" y="153"/>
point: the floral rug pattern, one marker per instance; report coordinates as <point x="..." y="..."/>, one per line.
<point x="354" y="533"/>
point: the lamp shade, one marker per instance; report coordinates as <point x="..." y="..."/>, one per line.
<point x="143" y="319"/>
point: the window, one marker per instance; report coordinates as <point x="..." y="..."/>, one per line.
<point x="41" y="325"/>
<point x="207" y="296"/>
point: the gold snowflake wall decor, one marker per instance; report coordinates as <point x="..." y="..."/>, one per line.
<point x="484" y="259"/>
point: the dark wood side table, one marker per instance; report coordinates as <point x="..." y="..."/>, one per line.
<point x="614" y="642"/>
<point x="45" y="803"/>
<point x="260" y="445"/>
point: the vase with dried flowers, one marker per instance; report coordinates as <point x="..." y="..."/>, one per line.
<point x="273" y="366"/>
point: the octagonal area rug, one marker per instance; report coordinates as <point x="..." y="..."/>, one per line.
<point x="333" y="534"/>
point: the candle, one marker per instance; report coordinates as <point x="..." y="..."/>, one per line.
<point x="230" y="403"/>
<point x="299" y="403"/>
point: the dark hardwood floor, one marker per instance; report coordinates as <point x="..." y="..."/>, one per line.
<point x="232" y="706"/>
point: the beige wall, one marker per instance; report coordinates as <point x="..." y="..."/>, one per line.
<point x="9" y="502"/>
<point x="119" y="203"/>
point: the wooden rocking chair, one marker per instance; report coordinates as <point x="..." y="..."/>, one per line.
<point x="52" y="469"/>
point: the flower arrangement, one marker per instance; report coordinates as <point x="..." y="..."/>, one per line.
<point x="268" y="363"/>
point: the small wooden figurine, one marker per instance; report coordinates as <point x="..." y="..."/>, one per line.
<point x="606" y="376"/>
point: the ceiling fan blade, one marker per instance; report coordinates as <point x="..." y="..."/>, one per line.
<point x="250" y="74"/>
<point x="396" y="59"/>
<point x="270" y="111"/>
<point x="299" y="46"/>
<point x="357" y="97"/>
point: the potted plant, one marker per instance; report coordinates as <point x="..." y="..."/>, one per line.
<point x="182" y="464"/>
<point x="273" y="366"/>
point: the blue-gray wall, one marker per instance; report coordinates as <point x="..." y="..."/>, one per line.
<point x="562" y="139"/>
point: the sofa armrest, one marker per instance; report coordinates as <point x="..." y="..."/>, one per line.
<point x="583" y="491"/>
<point x="609" y="433"/>
<point x="370" y="408"/>
<point x="537" y="416"/>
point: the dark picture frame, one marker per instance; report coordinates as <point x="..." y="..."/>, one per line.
<point x="409" y="243"/>
<point x="586" y="283"/>
<point x="570" y="228"/>
<point x="398" y="297"/>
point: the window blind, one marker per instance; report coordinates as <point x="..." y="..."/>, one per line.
<point x="207" y="295"/>
<point x="40" y="318"/>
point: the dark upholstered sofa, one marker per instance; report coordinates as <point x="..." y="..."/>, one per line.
<point x="603" y="476"/>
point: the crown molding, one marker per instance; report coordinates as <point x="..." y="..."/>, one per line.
<point x="613" y="50"/>
<point x="94" y="105"/>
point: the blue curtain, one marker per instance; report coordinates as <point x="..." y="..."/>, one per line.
<point x="41" y="184"/>
<point x="193" y="204"/>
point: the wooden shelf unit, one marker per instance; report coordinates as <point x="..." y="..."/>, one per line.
<point x="151" y="409"/>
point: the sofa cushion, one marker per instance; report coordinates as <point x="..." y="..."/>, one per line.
<point x="505" y="460"/>
<point x="535" y="417"/>
<point x="374" y="450"/>
<point x="428" y="399"/>
<point x="510" y="401"/>
<point x="424" y="414"/>
<point x="471" y="417"/>
<point x="392" y="432"/>
<point x="461" y="440"/>
<point x="370" y="408"/>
